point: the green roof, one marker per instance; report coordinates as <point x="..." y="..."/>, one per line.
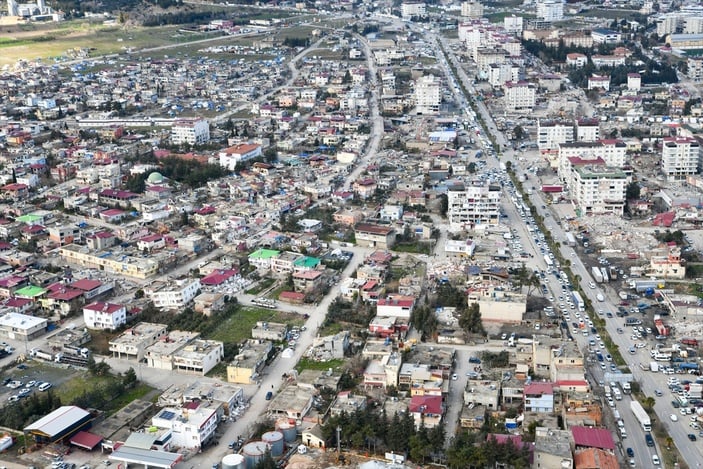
<point x="307" y="261"/>
<point x="264" y="254"/>
<point x="29" y="218"/>
<point x="30" y="291"/>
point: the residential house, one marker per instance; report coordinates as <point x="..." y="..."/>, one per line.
<point x="105" y="316"/>
<point x="426" y="410"/>
<point x="247" y="365"/>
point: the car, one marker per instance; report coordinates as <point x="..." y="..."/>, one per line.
<point x="30" y="384"/>
<point x="620" y="331"/>
<point x="22" y="366"/>
<point x="601" y="345"/>
<point x="658" y="393"/>
<point x="692" y="437"/>
<point x="648" y="438"/>
<point x="674" y="417"/>
<point x="474" y="360"/>
<point x="602" y="366"/>
<point x="655" y="459"/>
<point x="608" y="358"/>
<point x="454" y="377"/>
<point x="269" y="396"/>
<point x="503" y="336"/>
<point x="630" y="452"/>
<point x="675" y="404"/>
<point x="24" y="392"/>
<point x="632" y="462"/>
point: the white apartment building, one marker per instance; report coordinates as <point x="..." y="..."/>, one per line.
<point x="693" y="25"/>
<point x="695" y="68"/>
<point x="388" y="83"/>
<point x="513" y="24"/>
<point x="410" y="9"/>
<point x="666" y="24"/>
<point x="680" y="157"/>
<point x="191" y="131"/>
<point x="105" y="316"/>
<point x="587" y="130"/>
<point x="472" y="9"/>
<point x="634" y="81"/>
<point x="550" y="134"/>
<point x="472" y="206"/>
<point x="427" y="95"/>
<point x="190" y="428"/>
<point x="499" y="74"/>
<point x="612" y="152"/>
<point x="550" y="10"/>
<point x="596" y="188"/>
<point x="175" y="294"/>
<point x="519" y="97"/>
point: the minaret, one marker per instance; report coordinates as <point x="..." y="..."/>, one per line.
<point x="42" y="6"/>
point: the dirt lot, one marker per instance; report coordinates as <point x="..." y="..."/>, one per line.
<point x="36" y="371"/>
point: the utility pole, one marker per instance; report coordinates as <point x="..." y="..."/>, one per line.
<point x="339" y="440"/>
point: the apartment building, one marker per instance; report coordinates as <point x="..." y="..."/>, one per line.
<point x="474" y="205"/>
<point x="408" y="10"/>
<point x="190" y="131"/>
<point x="613" y="152"/>
<point x="427" y="95"/>
<point x="550" y="133"/>
<point x="472" y="9"/>
<point x="550" y="10"/>
<point x="597" y="188"/>
<point x="680" y="157"/>
<point x="520" y="97"/>
<point x="695" y="68"/>
<point x="174" y="294"/>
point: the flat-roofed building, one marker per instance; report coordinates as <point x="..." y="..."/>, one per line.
<point x="680" y="157"/>
<point x="192" y="426"/>
<point x="173" y="294"/>
<point x="18" y="326"/>
<point x="473" y="205"/>
<point x="134" y="341"/>
<point x="292" y="402"/>
<point x="553" y="448"/>
<point x="249" y="362"/>
<point x="190" y="131"/>
<point x="372" y="235"/>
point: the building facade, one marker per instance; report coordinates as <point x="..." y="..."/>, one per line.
<point x="473" y="205"/>
<point x="680" y="157"/>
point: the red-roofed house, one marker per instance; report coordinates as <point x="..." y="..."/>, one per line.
<point x="307" y="281"/>
<point x="426" y="410"/>
<point x="151" y="242"/>
<point x="292" y="297"/>
<point x="92" y="288"/>
<point x="586" y="437"/>
<point x="112" y="215"/>
<point x="539" y="397"/>
<point x="63" y="300"/>
<point x="18" y="305"/>
<point x="105" y="316"/>
<point x="364" y="188"/>
<point x="10" y="284"/>
<point x="399" y="306"/>
<point x="218" y="277"/>
<point x="594" y="458"/>
<point x="229" y="157"/>
<point x="114" y="197"/>
<point x="16" y="191"/>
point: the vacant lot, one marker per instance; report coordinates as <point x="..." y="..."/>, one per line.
<point x="237" y="327"/>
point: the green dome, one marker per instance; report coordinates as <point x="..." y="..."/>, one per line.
<point x="155" y="178"/>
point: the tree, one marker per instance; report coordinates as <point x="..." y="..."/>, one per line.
<point x="443" y="205"/>
<point x="633" y="191"/>
<point x="518" y="132"/>
<point x="649" y="402"/>
<point x="129" y="378"/>
<point x="470" y="320"/>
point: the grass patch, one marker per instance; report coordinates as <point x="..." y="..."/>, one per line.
<point x="261" y="286"/>
<point x="238" y="326"/>
<point x="610" y="14"/>
<point x="71" y="390"/>
<point x="331" y="329"/>
<point x="307" y="364"/>
<point x="414" y="248"/>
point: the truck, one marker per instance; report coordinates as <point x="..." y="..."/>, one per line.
<point x="623" y="295"/>
<point x="641" y="415"/>
<point x="578" y="301"/>
<point x="570" y="239"/>
<point x="604" y="273"/>
<point x="690" y="341"/>
<point x="70" y="355"/>
<point x="654" y="366"/>
<point x="597" y="275"/>
<point x="548" y="260"/>
<point x="626" y="389"/>
<point x="643" y="285"/>
<point x="688" y="366"/>
<point x="39" y="353"/>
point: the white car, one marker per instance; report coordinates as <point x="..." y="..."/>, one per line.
<point x="674" y="417"/>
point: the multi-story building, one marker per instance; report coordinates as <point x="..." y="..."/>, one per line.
<point x="190" y="131"/>
<point x="634" y="81"/>
<point x="605" y="36"/>
<point x="427" y="95"/>
<point x="597" y="188"/>
<point x="473" y="205"/>
<point x="520" y="97"/>
<point x="129" y="266"/>
<point x="513" y="24"/>
<point x="106" y="316"/>
<point x="408" y="10"/>
<point x="587" y="130"/>
<point x="666" y="24"/>
<point x="497" y="304"/>
<point x="134" y="341"/>
<point x="693" y="25"/>
<point x="230" y="157"/>
<point x="539" y="397"/>
<point x="472" y="9"/>
<point x="550" y="10"/>
<point x="612" y="151"/>
<point x="553" y="448"/>
<point x="550" y="134"/>
<point x="192" y="427"/>
<point x="695" y="68"/>
<point x="176" y="294"/>
<point x="680" y="157"/>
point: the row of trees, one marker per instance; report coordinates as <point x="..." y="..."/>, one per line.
<point x="476" y="450"/>
<point x="367" y="430"/>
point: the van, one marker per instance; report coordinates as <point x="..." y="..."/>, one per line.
<point x="44" y="386"/>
